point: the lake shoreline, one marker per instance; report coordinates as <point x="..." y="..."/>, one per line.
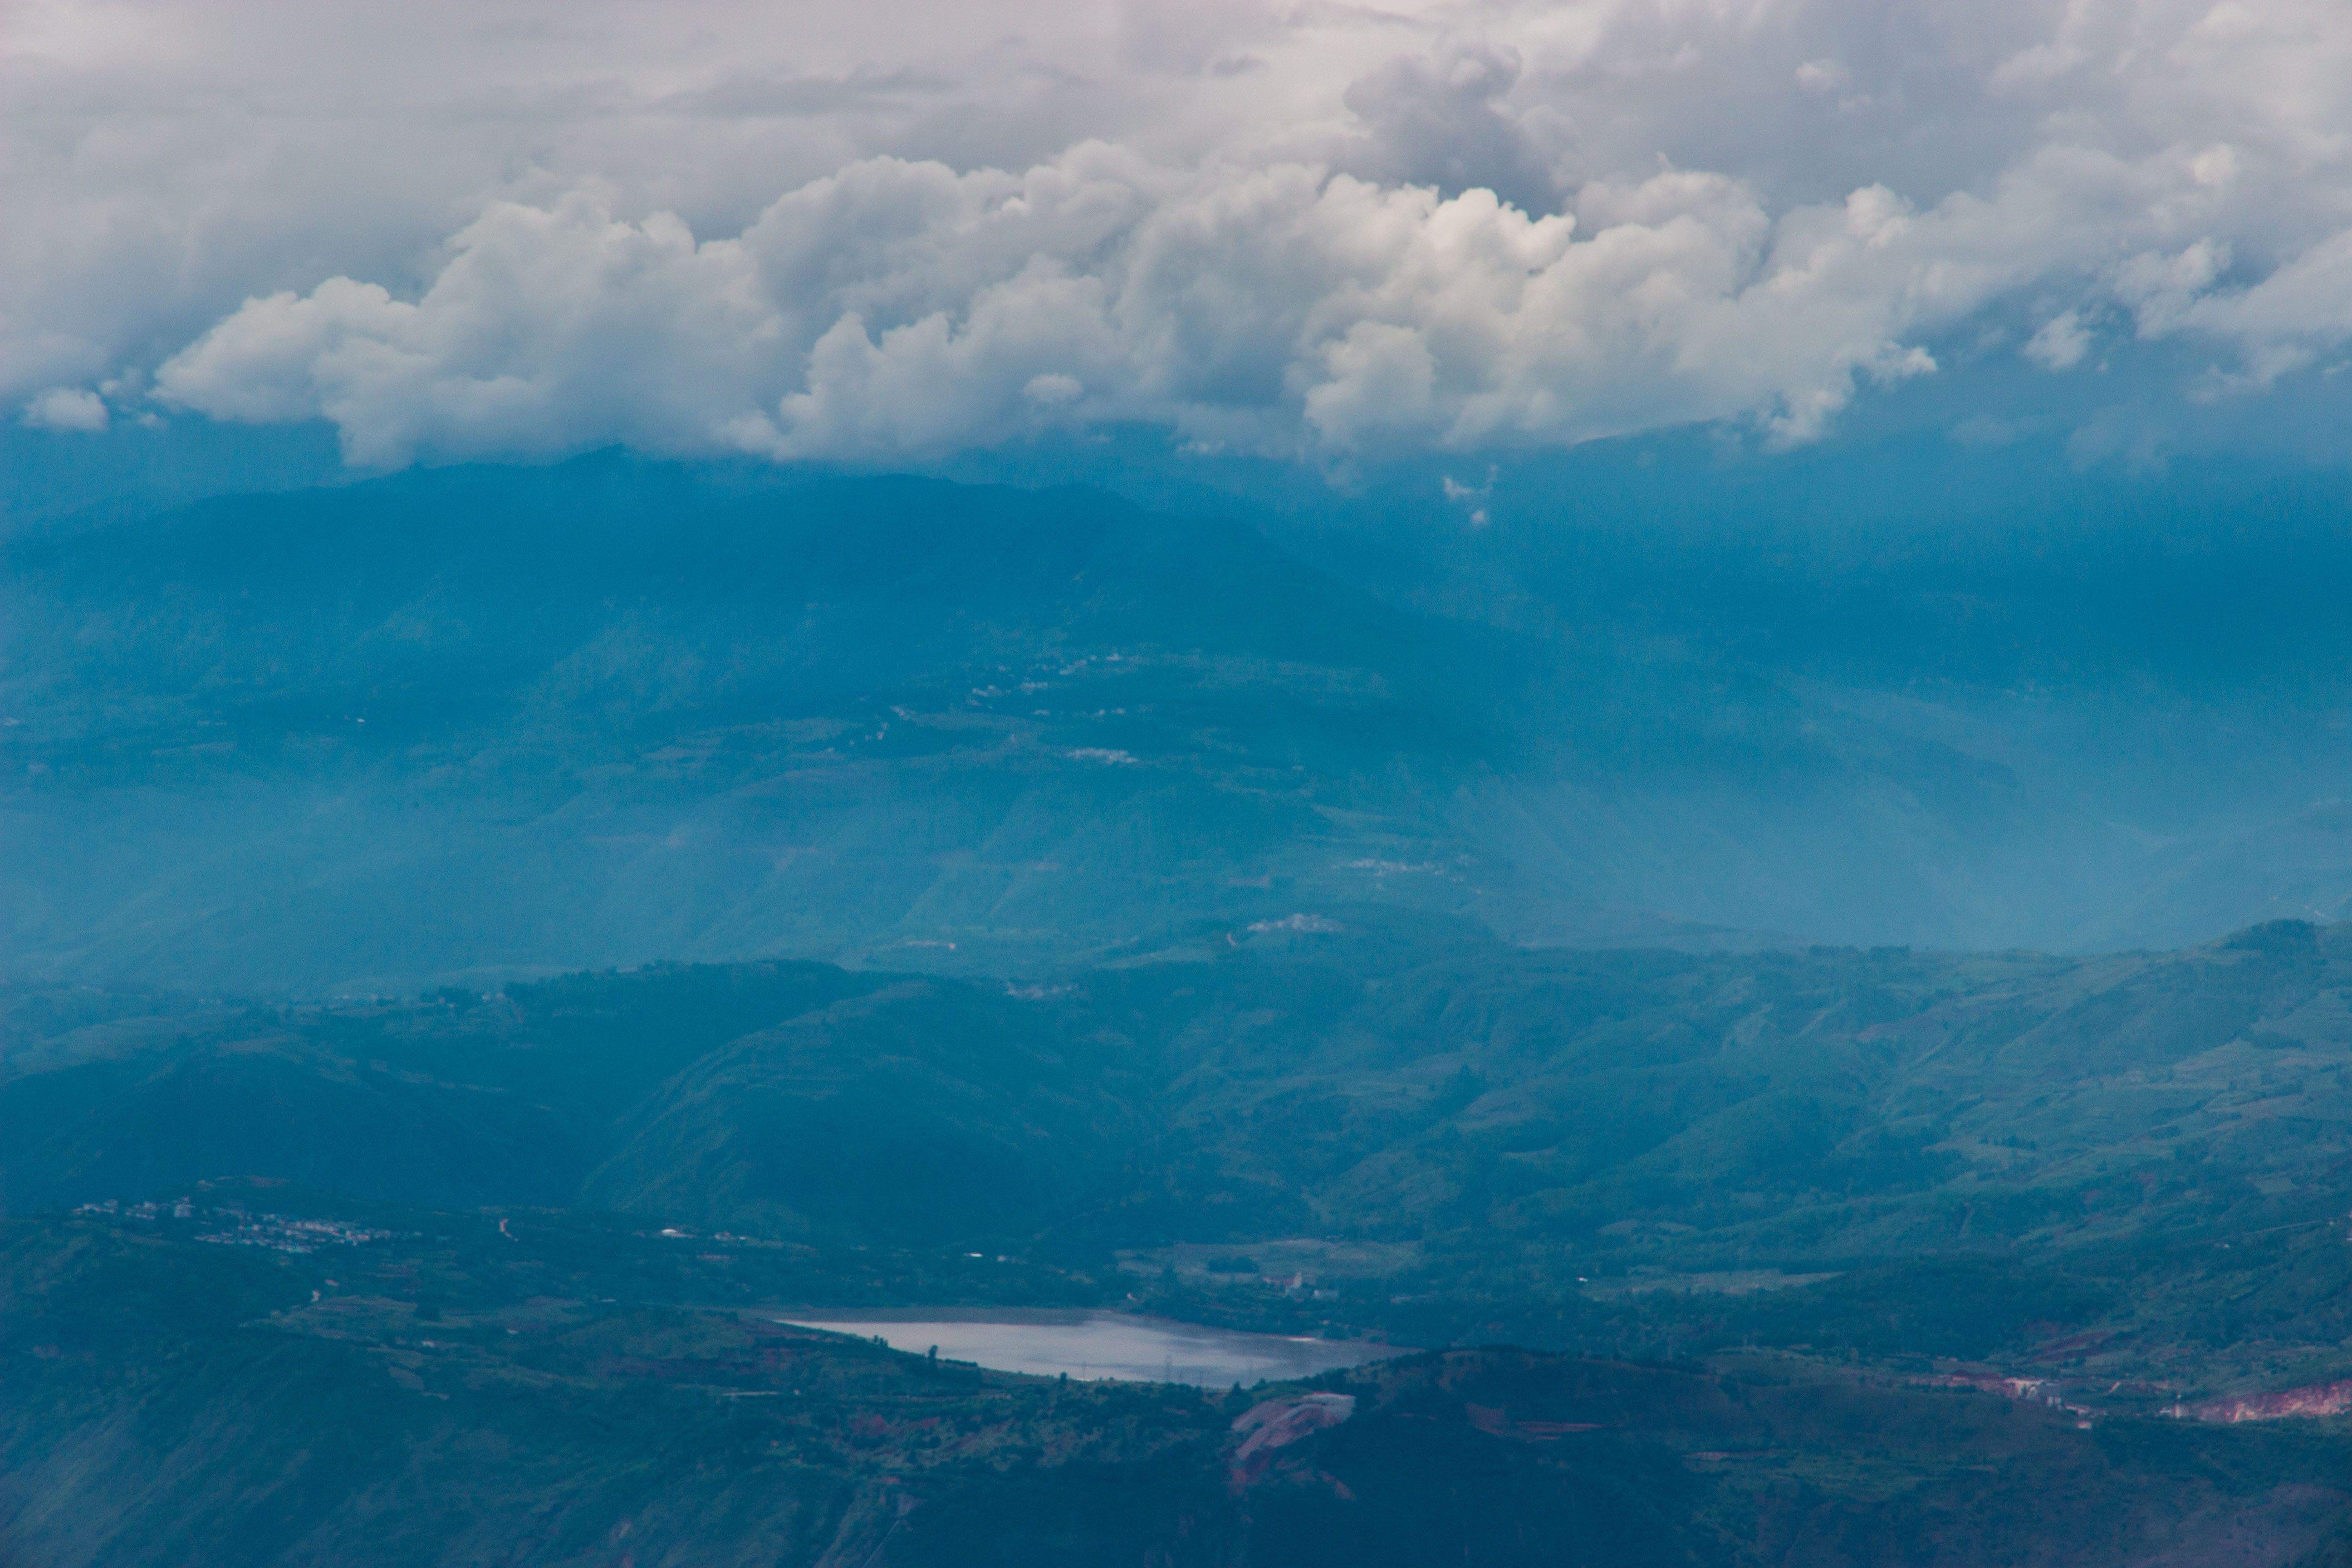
<point x="1093" y="1345"/>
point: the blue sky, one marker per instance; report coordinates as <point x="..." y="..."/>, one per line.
<point x="1314" y="234"/>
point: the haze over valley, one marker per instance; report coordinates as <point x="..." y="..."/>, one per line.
<point x="379" y="737"/>
<point x="1107" y="785"/>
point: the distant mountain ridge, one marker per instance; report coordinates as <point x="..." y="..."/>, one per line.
<point x="507" y="720"/>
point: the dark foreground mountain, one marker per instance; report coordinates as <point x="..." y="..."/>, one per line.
<point x="1813" y="1256"/>
<point x="474" y="1396"/>
<point x="503" y="722"/>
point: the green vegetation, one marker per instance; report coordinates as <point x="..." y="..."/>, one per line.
<point x="557" y="1391"/>
<point x="1486" y="1110"/>
<point x="1771" y="1230"/>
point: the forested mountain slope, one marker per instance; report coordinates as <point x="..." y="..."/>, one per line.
<point x="1937" y="1258"/>
<point x="526" y="721"/>
<point x="470" y="1397"/>
<point x="1465" y="1121"/>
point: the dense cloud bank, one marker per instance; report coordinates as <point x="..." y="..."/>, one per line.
<point x="1323" y="234"/>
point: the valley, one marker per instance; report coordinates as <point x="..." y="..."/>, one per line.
<point x="505" y="1003"/>
<point x="1124" y="785"/>
<point x="2092" y="1210"/>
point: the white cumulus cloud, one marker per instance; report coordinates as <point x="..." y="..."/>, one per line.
<point x="2061" y="342"/>
<point x="67" y="408"/>
<point x="908" y="229"/>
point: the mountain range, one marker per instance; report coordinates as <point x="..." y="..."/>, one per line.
<point x="498" y="722"/>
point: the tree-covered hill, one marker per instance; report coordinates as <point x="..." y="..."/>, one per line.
<point x="550" y="1392"/>
<point x="1464" y="1133"/>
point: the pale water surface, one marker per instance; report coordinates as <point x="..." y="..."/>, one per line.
<point x="1103" y="1345"/>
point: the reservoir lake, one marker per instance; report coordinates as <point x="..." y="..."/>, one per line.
<point x="1086" y="1344"/>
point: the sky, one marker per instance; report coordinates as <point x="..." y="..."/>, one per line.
<point x="1316" y="233"/>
